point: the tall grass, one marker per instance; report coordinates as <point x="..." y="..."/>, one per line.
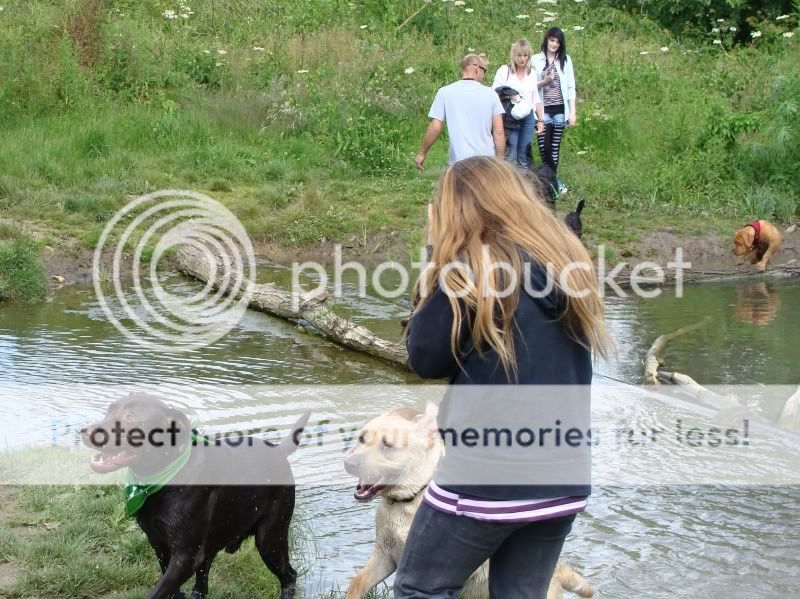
<point x="21" y="274"/>
<point x="265" y="103"/>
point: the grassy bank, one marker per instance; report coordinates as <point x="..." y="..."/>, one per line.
<point x="304" y="118"/>
<point x="77" y="542"/>
<point x="70" y="542"/>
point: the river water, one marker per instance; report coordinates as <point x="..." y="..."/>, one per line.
<point x="634" y="541"/>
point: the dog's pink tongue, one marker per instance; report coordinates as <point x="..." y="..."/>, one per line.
<point x="365" y="492"/>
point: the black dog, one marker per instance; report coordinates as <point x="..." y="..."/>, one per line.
<point x="545" y="184"/>
<point x="192" y="519"/>
<point x="573" y="219"/>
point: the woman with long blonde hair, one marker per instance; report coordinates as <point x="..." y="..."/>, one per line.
<point x="518" y="74"/>
<point x="533" y="321"/>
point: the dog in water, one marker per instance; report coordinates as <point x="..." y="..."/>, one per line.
<point x="757" y="242"/>
<point x="395" y="459"/>
<point x="188" y="521"/>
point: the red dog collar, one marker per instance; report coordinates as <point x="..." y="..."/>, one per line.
<point x="757" y="228"/>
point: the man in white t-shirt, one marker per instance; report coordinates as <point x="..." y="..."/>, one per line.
<point x="473" y="113"/>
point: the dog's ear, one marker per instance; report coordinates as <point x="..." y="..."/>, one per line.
<point x="181" y="423"/>
<point x="426" y="424"/>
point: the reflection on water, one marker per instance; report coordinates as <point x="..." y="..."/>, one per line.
<point x="650" y="542"/>
<point x="757" y="304"/>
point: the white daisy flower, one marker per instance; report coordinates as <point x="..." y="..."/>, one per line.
<point x="303" y="71"/>
<point x="755" y="34"/>
<point x="717" y="42"/>
<point x="578" y="28"/>
<point x="720" y="20"/>
<point x="664" y="49"/>
<point x="581" y="152"/>
<point x="363" y="27"/>
<point x="459" y="3"/>
<point x="788" y="34"/>
<point x="409" y="70"/>
<point x="782" y="17"/>
<point x="206" y="51"/>
<point x="222" y="52"/>
<point x="470" y="49"/>
<point x="523" y="16"/>
<point x="715" y="30"/>
<point x="549" y="19"/>
<point x="258" y="48"/>
<point x="732" y="29"/>
<point x="469" y="10"/>
<point x="644" y="53"/>
<point x="170" y="14"/>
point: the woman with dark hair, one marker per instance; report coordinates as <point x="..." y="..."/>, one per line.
<point x="556" y="81"/>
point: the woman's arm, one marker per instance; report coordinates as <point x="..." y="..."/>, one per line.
<point x="569" y="75"/>
<point x="428" y="338"/>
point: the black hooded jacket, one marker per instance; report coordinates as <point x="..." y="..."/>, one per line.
<point x="546" y="355"/>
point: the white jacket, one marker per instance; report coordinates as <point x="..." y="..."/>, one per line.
<point x="566" y="77"/>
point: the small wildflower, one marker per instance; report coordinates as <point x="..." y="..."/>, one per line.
<point x="303" y="71"/>
<point x="755" y="34"/>
<point x="549" y="19"/>
<point x="664" y="49"/>
<point x="580" y="0"/>
<point x="788" y="34"/>
<point x="717" y="42"/>
<point x="206" y="51"/>
<point x="222" y="52"/>
<point x="643" y="53"/>
<point x="219" y="64"/>
<point x="538" y="24"/>
<point x="459" y="3"/>
<point x="782" y="17"/>
<point x="363" y="27"/>
<point x="715" y="30"/>
<point x="577" y="28"/>
<point x="409" y="70"/>
<point x="470" y="49"/>
<point x="523" y="16"/>
<point x="469" y="10"/>
<point x="732" y="29"/>
<point x="258" y="48"/>
<point x="581" y="152"/>
<point x="170" y="14"/>
<point x="720" y="20"/>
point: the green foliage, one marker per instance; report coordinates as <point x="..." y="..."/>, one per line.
<point x="252" y="101"/>
<point x="21" y="274"/>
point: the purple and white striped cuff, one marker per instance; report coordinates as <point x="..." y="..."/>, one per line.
<point x="526" y="510"/>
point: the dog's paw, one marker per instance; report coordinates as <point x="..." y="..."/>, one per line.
<point x="761" y="267"/>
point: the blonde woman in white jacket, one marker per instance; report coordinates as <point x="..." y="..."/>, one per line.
<point x="519" y="75"/>
<point x="556" y="83"/>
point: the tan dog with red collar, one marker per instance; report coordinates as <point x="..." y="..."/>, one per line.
<point x="395" y="459"/>
<point x="758" y="241"/>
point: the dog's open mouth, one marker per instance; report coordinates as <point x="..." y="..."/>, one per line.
<point x="108" y="462"/>
<point x="365" y="492"/>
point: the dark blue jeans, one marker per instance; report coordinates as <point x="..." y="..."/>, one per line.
<point x="442" y="550"/>
<point x="518" y="141"/>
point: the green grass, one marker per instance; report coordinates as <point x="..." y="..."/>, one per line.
<point x="21" y="274"/>
<point x="111" y="100"/>
<point x="77" y="542"/>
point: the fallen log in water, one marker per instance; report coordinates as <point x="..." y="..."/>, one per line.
<point x="652" y="360"/>
<point x="310" y="308"/>
<point x="781" y="271"/>
<point x="700" y="393"/>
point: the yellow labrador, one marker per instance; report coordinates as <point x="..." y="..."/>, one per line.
<point x="395" y="459"/>
<point x="757" y="241"/>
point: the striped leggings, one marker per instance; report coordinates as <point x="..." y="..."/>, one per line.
<point x="550" y="140"/>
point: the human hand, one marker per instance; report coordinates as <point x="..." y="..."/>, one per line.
<point x="540" y="126"/>
<point x="573" y="120"/>
<point x="420" y="161"/>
